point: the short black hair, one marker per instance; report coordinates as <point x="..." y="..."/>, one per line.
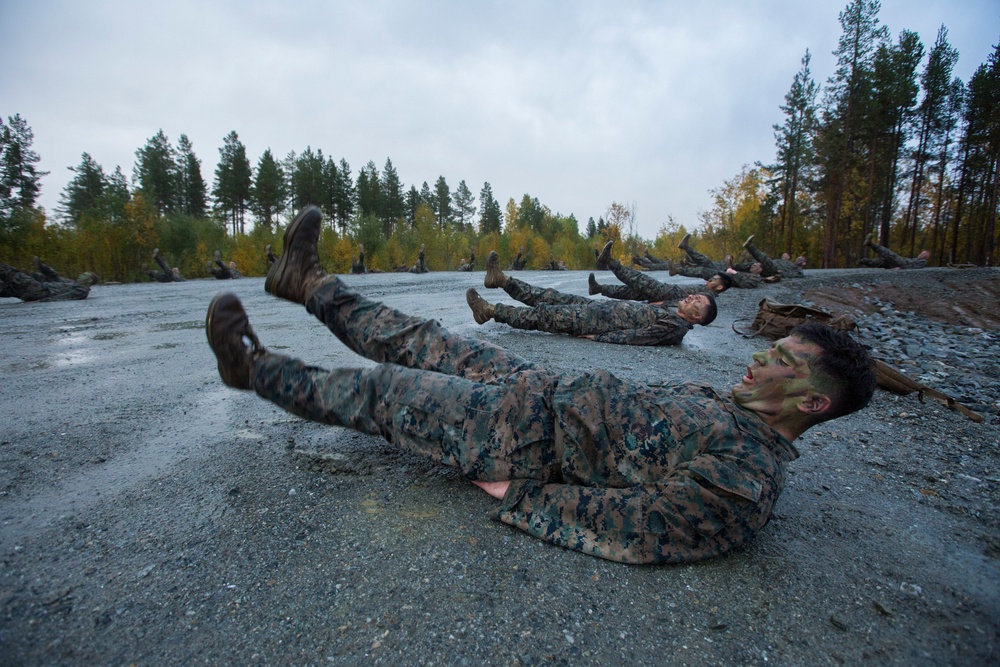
<point x="711" y="312"/>
<point x="845" y="365"/>
<point x="724" y="278"/>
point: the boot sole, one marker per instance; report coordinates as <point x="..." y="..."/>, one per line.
<point x="223" y="372"/>
<point x="272" y="280"/>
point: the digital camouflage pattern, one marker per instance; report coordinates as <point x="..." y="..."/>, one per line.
<point x="887" y="259"/>
<point x="741" y="279"/>
<point x="642" y="287"/>
<point x="704" y="261"/>
<point x="621" y="322"/>
<point x="44" y="285"/>
<point x="615" y="469"/>
<point x="774" y="267"/>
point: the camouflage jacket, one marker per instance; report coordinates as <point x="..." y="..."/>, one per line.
<point x="652" y="474"/>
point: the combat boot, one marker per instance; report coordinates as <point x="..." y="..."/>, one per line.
<point x="683" y="245"/>
<point x="494" y="274"/>
<point x="482" y="310"/>
<point x="233" y="341"/>
<point x="671" y="269"/>
<point x="748" y="242"/>
<point x="605" y="257"/>
<point x="298" y="271"/>
<point x="592" y="286"/>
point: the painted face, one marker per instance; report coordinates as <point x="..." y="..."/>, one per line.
<point x="714" y="284"/>
<point x="756" y="268"/>
<point x="778" y="378"/>
<point x="693" y="307"/>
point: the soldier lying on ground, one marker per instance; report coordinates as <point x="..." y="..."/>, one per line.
<point x="420" y="266"/>
<point x="519" y="262"/>
<point x="222" y="271"/>
<point x="468" y="266"/>
<point x="887" y="259"/>
<point x="165" y="274"/>
<point x="622" y="322"/>
<point x="358" y="266"/>
<point x="781" y="267"/>
<point x="641" y="287"/>
<point x="44" y="284"/>
<point x="617" y="469"/>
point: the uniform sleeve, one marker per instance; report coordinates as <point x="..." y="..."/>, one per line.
<point x="653" y="335"/>
<point x="697" y="513"/>
<point x="666" y="331"/>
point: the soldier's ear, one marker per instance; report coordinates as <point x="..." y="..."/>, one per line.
<point x="815" y="404"/>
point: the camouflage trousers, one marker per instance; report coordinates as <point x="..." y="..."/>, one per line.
<point x="40" y="286"/>
<point x="557" y="312"/>
<point x="642" y="287"/>
<point x="704" y="261"/>
<point x="892" y="260"/>
<point x="773" y="267"/>
<point x="456" y="401"/>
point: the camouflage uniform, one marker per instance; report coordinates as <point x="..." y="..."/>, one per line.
<point x="615" y="469"/>
<point x="45" y="285"/>
<point x="741" y="279"/>
<point x="703" y="261"/>
<point x="166" y="274"/>
<point x="641" y="287"/>
<point x="887" y="259"/>
<point x="622" y="322"/>
<point x="774" y="267"/>
<point x="420" y="266"/>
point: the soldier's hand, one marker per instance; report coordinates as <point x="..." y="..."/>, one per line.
<point x="495" y="489"/>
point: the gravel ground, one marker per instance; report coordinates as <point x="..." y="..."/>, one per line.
<point x="149" y="515"/>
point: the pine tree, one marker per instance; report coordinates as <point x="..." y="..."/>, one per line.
<point x="191" y="187"/>
<point x="391" y="198"/>
<point x="156" y="173"/>
<point x="307" y="186"/>
<point x="345" y="196"/>
<point x="233" y="180"/>
<point x="840" y="143"/>
<point x="269" y="195"/>
<point x="794" y="144"/>
<point x="465" y="206"/>
<point x="20" y="179"/>
<point x="895" y="96"/>
<point x="412" y="203"/>
<point x="441" y="203"/>
<point x="83" y="194"/>
<point x="936" y="85"/>
<point x="490" y="215"/>
<point x="368" y="191"/>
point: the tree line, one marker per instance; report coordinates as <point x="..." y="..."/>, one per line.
<point x="894" y="146"/>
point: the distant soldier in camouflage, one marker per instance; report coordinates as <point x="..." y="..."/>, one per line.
<point x="222" y="271"/>
<point x="622" y="322"/>
<point x="642" y="287"/>
<point x="421" y="265"/>
<point x="590" y="462"/>
<point x="165" y="274"/>
<point x="271" y="258"/>
<point x="781" y="267"/>
<point x="519" y="261"/>
<point x="43" y="284"/>
<point x="887" y="259"/>
<point x="358" y="266"/>
<point x="470" y="265"/>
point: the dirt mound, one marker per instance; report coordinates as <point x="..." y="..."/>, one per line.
<point x="956" y="297"/>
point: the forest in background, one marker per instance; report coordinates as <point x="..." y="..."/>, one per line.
<point x="893" y="145"/>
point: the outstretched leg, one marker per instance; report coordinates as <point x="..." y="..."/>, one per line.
<point x="648" y="287"/>
<point x="492" y="432"/>
<point x="384" y="334"/>
<point x="533" y="296"/>
<point x="767" y="265"/>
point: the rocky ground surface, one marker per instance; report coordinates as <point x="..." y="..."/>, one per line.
<point x="150" y="515"/>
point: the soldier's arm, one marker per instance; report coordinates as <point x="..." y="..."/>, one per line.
<point x="685" y="518"/>
<point x="627" y="337"/>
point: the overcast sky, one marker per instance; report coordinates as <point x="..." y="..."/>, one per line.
<point x="577" y="103"/>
